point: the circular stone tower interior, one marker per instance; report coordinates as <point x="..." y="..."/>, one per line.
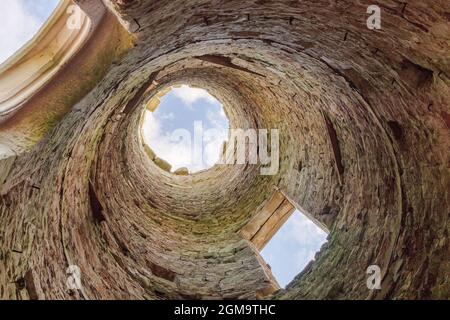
<point x="364" y="135"/>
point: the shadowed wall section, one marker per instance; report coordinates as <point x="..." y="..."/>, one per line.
<point x="364" y="138"/>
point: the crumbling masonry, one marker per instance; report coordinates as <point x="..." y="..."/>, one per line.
<point x="364" y="124"/>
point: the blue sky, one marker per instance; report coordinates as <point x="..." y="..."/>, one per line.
<point x="180" y="109"/>
<point x="292" y="247"/>
<point x="21" y="20"/>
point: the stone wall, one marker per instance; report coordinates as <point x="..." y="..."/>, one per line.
<point x="364" y="138"/>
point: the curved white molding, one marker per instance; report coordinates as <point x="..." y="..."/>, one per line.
<point x="31" y="67"/>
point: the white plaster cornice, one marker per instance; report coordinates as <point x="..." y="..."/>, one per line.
<point x="32" y="66"/>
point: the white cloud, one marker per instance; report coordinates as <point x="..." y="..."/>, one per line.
<point x="213" y="141"/>
<point x="177" y="153"/>
<point x="17" y="27"/>
<point x="190" y="95"/>
<point x="216" y="120"/>
<point x="167" y="116"/>
<point x="303" y="231"/>
<point x="177" y="147"/>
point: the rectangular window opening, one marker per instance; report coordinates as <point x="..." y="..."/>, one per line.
<point x="286" y="238"/>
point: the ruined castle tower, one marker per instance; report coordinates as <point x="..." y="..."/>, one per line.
<point x="364" y="122"/>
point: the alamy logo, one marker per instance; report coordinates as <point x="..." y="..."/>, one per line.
<point x="73" y="281"/>
<point x="374" y="20"/>
<point x="252" y="146"/>
<point x="74" y="22"/>
<point x="374" y="279"/>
